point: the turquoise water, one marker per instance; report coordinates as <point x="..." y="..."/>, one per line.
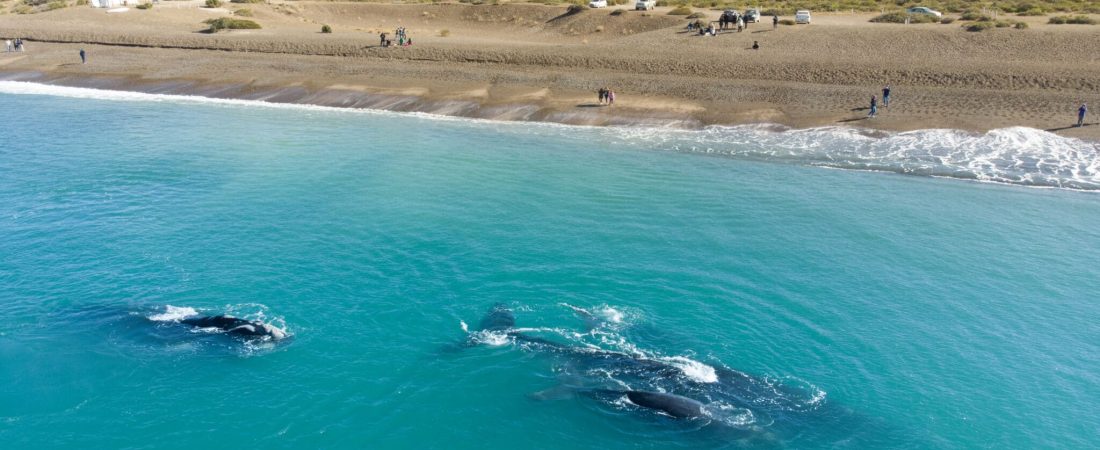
<point x="869" y="309"/>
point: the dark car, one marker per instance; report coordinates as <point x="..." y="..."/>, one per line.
<point x="729" y="15"/>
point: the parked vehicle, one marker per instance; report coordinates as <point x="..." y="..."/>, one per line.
<point x="923" y="10"/>
<point x="752" y="15"/>
<point x="802" y="16"/>
<point x="645" y="5"/>
<point x="597" y="4"/>
<point x="729" y="15"/>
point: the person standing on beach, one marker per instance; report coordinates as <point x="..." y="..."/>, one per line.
<point x="886" y="96"/>
<point x="7" y="45"/>
<point x="874" y="107"/>
<point x="775" y="22"/>
<point x="1081" y="115"/>
<point x="610" y="97"/>
<point x="382" y="37"/>
<point x="83" y="57"/>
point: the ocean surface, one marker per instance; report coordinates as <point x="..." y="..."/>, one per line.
<point x="940" y="291"/>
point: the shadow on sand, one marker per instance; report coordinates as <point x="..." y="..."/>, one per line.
<point x="590" y="105"/>
<point x="1052" y="130"/>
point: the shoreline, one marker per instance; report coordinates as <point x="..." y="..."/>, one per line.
<point x="339" y="99"/>
<point x="943" y="78"/>
<point x="949" y="170"/>
<point x="357" y="99"/>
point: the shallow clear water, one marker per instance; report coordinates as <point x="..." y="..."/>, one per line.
<point x="868" y="309"/>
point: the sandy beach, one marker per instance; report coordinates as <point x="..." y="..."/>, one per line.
<point x="537" y="62"/>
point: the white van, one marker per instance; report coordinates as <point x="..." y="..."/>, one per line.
<point x="645" y="5"/>
<point x="802" y="16"/>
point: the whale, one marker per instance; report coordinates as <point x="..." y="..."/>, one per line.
<point x="651" y="383"/>
<point x="674" y="405"/>
<point x="249" y="329"/>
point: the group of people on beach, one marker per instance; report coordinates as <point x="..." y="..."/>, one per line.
<point x="403" y="39"/>
<point x="710" y="30"/>
<point x="725" y="22"/>
<point x="14" y="46"/>
<point x="606" y="95"/>
<point x="874" y="102"/>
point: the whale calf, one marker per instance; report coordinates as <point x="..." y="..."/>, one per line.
<point x="236" y="326"/>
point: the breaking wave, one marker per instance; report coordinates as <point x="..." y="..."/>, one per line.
<point x="1017" y="155"/>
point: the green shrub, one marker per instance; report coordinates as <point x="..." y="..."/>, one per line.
<point x="697" y="15"/>
<point x="213" y="3"/>
<point x="1076" y="20"/>
<point x="900" y="16"/>
<point x="1032" y="12"/>
<point x="243" y="12"/>
<point x="145" y="6"/>
<point x="979" y="26"/>
<point x="55" y="4"/>
<point x="227" y="23"/>
<point x="35" y="2"/>
<point x="1020" y="26"/>
<point x="786" y="21"/>
<point x="947" y="20"/>
<point x="81" y="2"/>
<point x="1002" y="24"/>
<point x="681" y="10"/>
<point x="246" y="1"/>
<point x="444" y="32"/>
<point x="978" y="17"/>
<point x="326" y="29"/>
<point x="618" y="12"/>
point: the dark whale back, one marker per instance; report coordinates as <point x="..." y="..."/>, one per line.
<point x="220" y="321"/>
<point x="671" y="404"/>
<point x="234" y="325"/>
<point x="499" y="317"/>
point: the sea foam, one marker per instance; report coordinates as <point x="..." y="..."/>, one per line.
<point x="174" y="314"/>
